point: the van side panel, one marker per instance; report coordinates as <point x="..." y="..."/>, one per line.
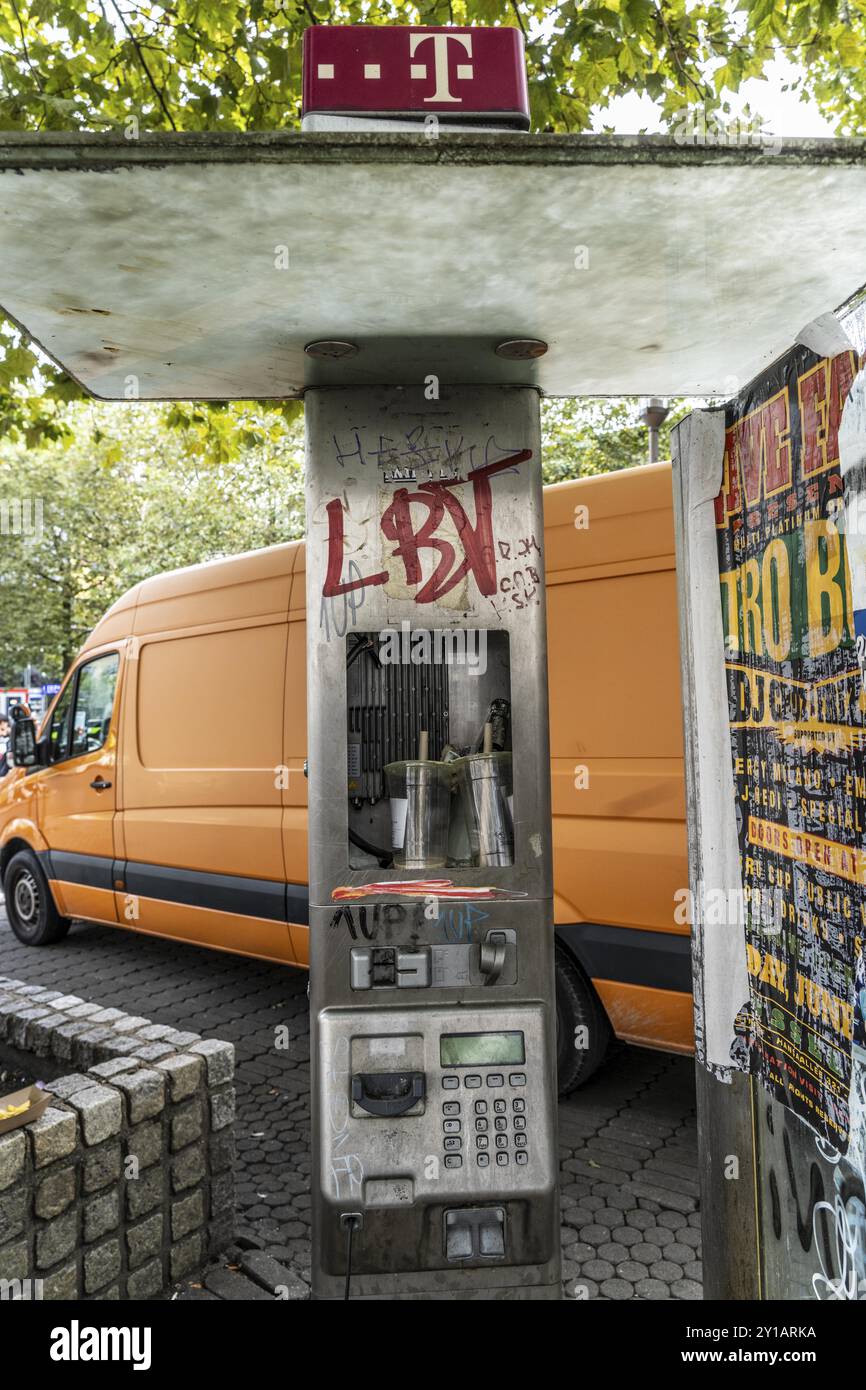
<point x="203" y="749"/>
<point x="617" y="770"/>
<point x="220" y="931"/>
<point x="619" y="837"/>
<point x="79" y="900"/>
<point x="212" y="798"/>
<point x="649" y="1017"/>
<point x="294" y="822"/>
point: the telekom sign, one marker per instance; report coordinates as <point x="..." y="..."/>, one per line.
<point x="405" y="70"/>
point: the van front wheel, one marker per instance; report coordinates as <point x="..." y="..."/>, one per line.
<point x="29" y="904"/>
<point x="582" y="1030"/>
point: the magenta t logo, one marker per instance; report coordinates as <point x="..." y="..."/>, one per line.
<point x="440" y="44"/>
<point x="413" y="70"/>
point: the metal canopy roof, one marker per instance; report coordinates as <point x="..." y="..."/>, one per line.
<point x="151" y="266"/>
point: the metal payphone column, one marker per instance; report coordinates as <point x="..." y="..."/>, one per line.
<point x="433" y="1021"/>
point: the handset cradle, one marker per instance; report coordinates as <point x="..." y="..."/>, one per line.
<point x="388" y="1093"/>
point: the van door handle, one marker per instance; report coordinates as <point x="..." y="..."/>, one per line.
<point x="99" y="785"/>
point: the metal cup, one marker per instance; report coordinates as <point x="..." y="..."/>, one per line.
<point x="485" y="784"/>
<point x="420" y="794"/>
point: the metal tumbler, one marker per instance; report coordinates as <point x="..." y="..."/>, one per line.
<point x="485" y="787"/>
<point x="420" y="794"/>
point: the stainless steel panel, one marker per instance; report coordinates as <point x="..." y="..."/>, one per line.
<point x="385" y="1149"/>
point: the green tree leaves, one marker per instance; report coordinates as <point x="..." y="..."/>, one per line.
<point x="590" y="435"/>
<point x="124" y="497"/>
<point x="209" y="64"/>
<point x="236" y="65"/>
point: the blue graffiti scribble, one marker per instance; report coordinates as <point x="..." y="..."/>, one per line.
<point x="339" y="613"/>
<point x="457" y="920"/>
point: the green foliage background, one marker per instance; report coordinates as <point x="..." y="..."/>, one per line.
<point x="128" y="496"/>
<point x="129" y="490"/>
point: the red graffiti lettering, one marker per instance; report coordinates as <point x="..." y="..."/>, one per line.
<point x="477" y="541"/>
<point x="333" y="584"/>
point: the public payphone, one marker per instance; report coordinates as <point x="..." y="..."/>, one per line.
<point x="431" y="921"/>
<point x="433" y="1034"/>
<point x="430" y="864"/>
<point x="429" y="811"/>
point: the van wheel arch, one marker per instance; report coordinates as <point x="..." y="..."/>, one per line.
<point x="578" y="1055"/>
<point x="30" y="905"/>
<point x="10" y="848"/>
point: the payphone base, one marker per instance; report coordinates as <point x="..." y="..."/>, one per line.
<point x="454" y="1291"/>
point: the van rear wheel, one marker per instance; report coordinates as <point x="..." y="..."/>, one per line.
<point x="29" y="904"/>
<point x="582" y="1030"/>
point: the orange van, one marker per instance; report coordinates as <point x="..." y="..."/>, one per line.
<point x="169" y="796"/>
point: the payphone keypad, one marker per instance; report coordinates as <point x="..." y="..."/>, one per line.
<point x="493" y="1118"/>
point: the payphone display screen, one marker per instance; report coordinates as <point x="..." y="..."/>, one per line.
<point x="481" y="1049"/>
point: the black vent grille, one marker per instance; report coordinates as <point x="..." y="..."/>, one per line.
<point x="388" y="708"/>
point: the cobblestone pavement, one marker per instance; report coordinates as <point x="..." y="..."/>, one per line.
<point x="628" y="1142"/>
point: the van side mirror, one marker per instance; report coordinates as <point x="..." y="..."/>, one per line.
<point x="23" y="750"/>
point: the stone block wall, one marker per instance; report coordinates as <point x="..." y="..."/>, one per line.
<point x="126" y="1183"/>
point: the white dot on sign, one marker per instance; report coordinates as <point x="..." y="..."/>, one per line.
<point x="325" y="70"/>
<point x="464" y="71"/>
<point x="418" y="70"/>
<point x="372" y="70"/>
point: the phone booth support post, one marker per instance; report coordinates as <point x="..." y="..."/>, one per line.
<point x="433" y="1045"/>
<point x="433" y="1038"/>
<point x="421" y="347"/>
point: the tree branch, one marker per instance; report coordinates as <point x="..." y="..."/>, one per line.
<point x="134" y="41"/>
<point x="703" y="92"/>
<point x="519" y="19"/>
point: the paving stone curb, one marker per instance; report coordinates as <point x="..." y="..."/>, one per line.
<point x="122" y="1186"/>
